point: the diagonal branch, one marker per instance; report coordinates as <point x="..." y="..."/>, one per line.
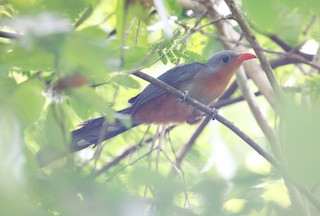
<point x="116" y="160"/>
<point x="176" y="92"/>
<point x="214" y="115"/>
<point x="309" y="195"/>
<point x="257" y="113"/>
<point x="186" y="148"/>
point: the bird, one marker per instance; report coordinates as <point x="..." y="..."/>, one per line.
<point x="154" y="105"/>
<point x="204" y="82"/>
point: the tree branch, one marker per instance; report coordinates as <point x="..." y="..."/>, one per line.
<point x="256" y="46"/>
<point x="214" y="115"/>
<point x="310" y="196"/>
<point x="258" y="115"/>
<point x="286" y="47"/>
<point x="176" y="92"/>
<point x="8" y="35"/>
<point x="186" y="148"/>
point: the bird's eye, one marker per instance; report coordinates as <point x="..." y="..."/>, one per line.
<point x="225" y="59"/>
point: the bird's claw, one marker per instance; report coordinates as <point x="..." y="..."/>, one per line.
<point x="214" y="113"/>
<point x="185" y="96"/>
<point x="196" y="118"/>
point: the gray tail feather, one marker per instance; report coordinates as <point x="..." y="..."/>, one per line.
<point x="91" y="133"/>
<point x="97" y="130"/>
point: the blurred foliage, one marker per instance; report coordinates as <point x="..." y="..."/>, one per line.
<point x="301" y="149"/>
<point x="72" y="61"/>
<point x="286" y="18"/>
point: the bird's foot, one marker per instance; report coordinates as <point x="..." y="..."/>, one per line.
<point x="185" y="96"/>
<point x="196" y="118"/>
<point x="214" y="113"/>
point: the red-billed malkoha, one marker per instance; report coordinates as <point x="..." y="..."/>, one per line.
<point x="203" y="82"/>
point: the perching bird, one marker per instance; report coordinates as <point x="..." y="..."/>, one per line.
<point x="203" y="82"/>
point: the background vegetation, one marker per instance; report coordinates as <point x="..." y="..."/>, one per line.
<point x="65" y="61"/>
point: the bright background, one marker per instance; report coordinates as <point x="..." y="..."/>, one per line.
<point x="84" y="43"/>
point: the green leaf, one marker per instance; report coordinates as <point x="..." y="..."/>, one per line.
<point x="88" y="97"/>
<point x="54" y="28"/>
<point x="172" y="58"/>
<point x="212" y="47"/>
<point x="173" y="6"/>
<point x="301" y="141"/>
<point x="126" y="81"/>
<point x="212" y="191"/>
<point x="57" y="127"/>
<point x="277" y="17"/>
<point x="312" y="86"/>
<point x="71" y="8"/>
<point x="83" y="17"/>
<point x="7" y="87"/>
<point x="263" y="13"/>
<point x="134" y="57"/>
<point x="24" y="6"/>
<point x="131" y="29"/>
<point x="307" y="7"/>
<point x="88" y="53"/>
<point x="27" y="101"/>
<point x="34" y="58"/>
<point x="163" y="58"/>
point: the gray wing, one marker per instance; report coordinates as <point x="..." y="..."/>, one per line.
<point x="174" y="77"/>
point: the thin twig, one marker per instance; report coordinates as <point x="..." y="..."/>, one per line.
<point x="258" y="115"/>
<point x="186" y="148"/>
<point x="116" y="160"/>
<point x="130" y="164"/>
<point x="179" y="171"/>
<point x="226" y="102"/>
<point x="288" y="57"/>
<point x="286" y="47"/>
<point x="175" y="44"/>
<point x="160" y="140"/>
<point x="123" y="155"/>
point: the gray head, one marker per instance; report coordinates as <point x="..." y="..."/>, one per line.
<point x="230" y="58"/>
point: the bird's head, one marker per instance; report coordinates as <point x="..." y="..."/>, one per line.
<point x="228" y="59"/>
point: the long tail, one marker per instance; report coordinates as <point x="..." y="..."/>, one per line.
<point x="92" y="132"/>
<point x="97" y="130"/>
